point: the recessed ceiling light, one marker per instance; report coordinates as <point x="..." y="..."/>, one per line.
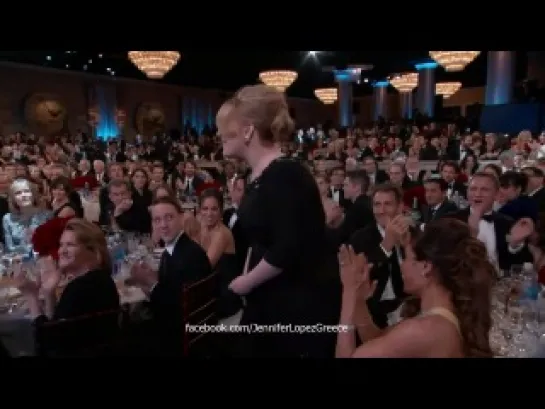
<point x="48" y="58"/>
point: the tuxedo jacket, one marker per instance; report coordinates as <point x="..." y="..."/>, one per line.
<point x="367" y="241"/>
<point x="502" y="227"/>
<point x="187" y="264"/>
<point x="356" y="217"/>
<point x="447" y="207"/>
<point x="241" y="243"/>
<point x="539" y="199"/>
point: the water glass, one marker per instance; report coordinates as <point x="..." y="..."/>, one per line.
<point x="516" y="270"/>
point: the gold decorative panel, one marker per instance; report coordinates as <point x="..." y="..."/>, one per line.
<point x="45" y="114"/>
<point x="150" y="119"/>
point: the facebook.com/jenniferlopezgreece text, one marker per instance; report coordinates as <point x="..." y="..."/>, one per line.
<point x="261" y="329"/>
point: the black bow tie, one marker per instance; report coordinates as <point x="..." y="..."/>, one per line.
<point x="489" y="218"/>
<point x="336" y="190"/>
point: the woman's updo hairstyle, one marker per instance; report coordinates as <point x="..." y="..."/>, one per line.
<point x="265" y="108"/>
<point x="211" y="193"/>
<point x="462" y="267"/>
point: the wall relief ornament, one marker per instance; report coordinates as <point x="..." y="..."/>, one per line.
<point x="150" y="119"/>
<point x="45" y="114"/>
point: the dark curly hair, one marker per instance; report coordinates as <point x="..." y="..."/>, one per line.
<point x="462" y="266"/>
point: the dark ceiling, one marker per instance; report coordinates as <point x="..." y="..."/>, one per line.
<point x="228" y="70"/>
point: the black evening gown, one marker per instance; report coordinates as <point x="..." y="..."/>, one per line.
<point x="283" y="218"/>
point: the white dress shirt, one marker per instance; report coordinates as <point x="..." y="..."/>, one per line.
<point x="388" y="293"/>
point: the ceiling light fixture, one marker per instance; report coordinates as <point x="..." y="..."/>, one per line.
<point x="326" y="95"/>
<point x="155" y="64"/>
<point x="454" y="61"/>
<point x="281" y="80"/>
<point x="447" y="89"/>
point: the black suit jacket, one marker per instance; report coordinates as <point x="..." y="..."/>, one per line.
<point x="367" y="241"/>
<point x="241" y="243"/>
<point x="459" y="187"/>
<point x="380" y="177"/>
<point x="187" y="264"/>
<point x="341" y="195"/>
<point x="502" y="226"/>
<point x="453" y="151"/>
<point x="447" y="207"/>
<point x="419" y="179"/>
<point x="539" y="198"/>
<point x="357" y="216"/>
<point x="4" y="209"/>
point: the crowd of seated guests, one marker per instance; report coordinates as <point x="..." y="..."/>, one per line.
<point x="140" y="188"/>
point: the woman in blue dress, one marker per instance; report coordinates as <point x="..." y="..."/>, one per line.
<point x="23" y="218"/>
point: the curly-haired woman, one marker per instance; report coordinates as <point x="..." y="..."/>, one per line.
<point x="448" y="271"/>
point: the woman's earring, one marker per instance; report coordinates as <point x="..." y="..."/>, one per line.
<point x="248" y="136"/>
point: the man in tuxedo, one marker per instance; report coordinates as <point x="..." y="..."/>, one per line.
<point x="516" y="204"/>
<point x="381" y="244"/>
<point x="534" y="189"/>
<point x="183" y="262"/>
<point x="414" y="173"/>
<point x="230" y="219"/>
<point x="115" y="173"/>
<point x="192" y="181"/>
<point x="398" y="176"/>
<point x="98" y="170"/>
<point x="125" y="213"/>
<point x="437" y="203"/>
<point x="359" y="214"/>
<point x="84" y="168"/>
<point x="458" y="149"/>
<point x="376" y="175"/>
<point x="4" y="204"/>
<point x="449" y="172"/>
<point x="504" y="239"/>
<point x="507" y="160"/>
<point x="337" y="184"/>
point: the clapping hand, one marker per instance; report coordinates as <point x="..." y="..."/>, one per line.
<point x="397" y="228"/>
<point x="520" y="231"/>
<point x="125" y="205"/>
<point x="25" y="285"/>
<point x="355" y="273"/>
<point x="50" y="276"/>
<point x="143" y="276"/>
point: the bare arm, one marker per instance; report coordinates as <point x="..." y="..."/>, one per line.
<point x="355" y="315"/>
<point x="346" y="340"/>
<point x="218" y="245"/>
<point x="367" y="330"/>
<point x="67" y="212"/>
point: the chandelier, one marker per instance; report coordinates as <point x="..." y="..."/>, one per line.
<point x="155" y="64"/>
<point x="326" y="95"/>
<point x="405" y="83"/>
<point x="447" y="89"/>
<point x="454" y="60"/>
<point x="280" y="80"/>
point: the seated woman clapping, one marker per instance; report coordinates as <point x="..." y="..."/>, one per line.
<point x="215" y="238"/>
<point x="83" y="256"/>
<point x="448" y="271"/>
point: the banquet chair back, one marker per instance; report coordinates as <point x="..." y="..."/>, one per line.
<point x="90" y="335"/>
<point x="199" y="301"/>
